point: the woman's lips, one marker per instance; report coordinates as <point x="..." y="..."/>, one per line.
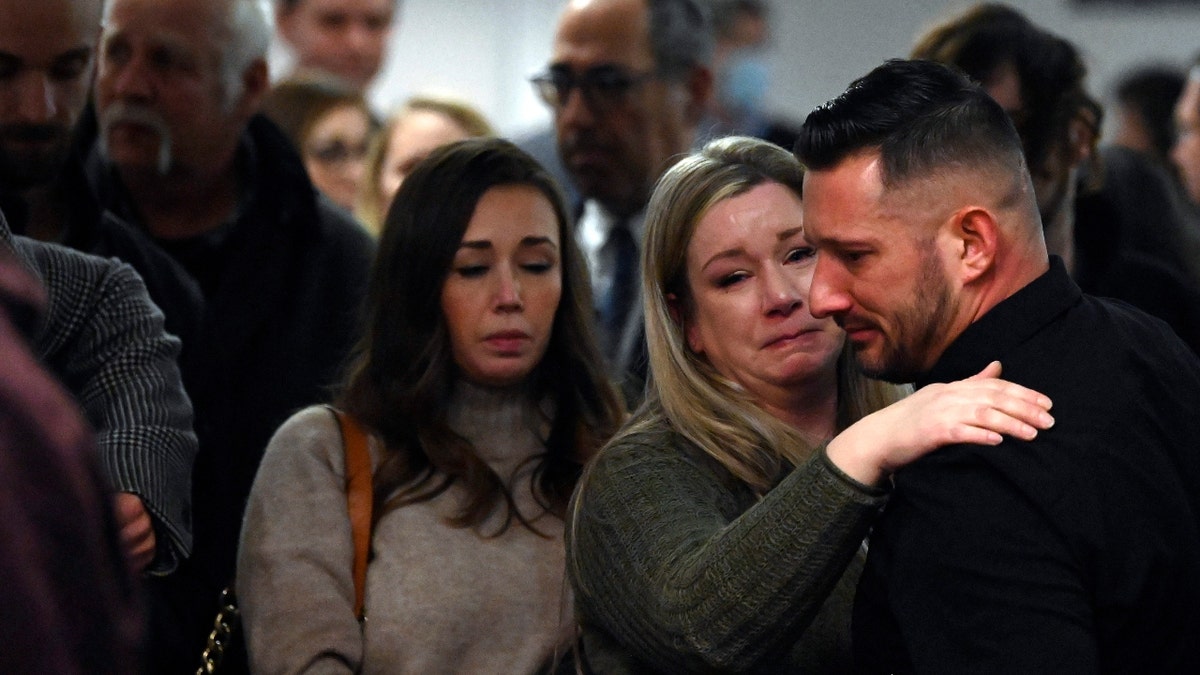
<point x="507" y="341"/>
<point x="791" y="337"/>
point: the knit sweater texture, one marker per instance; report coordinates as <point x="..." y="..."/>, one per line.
<point x="439" y="599"/>
<point x="679" y="567"/>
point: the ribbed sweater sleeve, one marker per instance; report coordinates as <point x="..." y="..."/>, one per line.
<point x="683" y="569"/>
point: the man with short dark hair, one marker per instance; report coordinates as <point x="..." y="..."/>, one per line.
<point x="183" y="156"/>
<point x="344" y="39"/>
<point x="629" y="81"/>
<point x="1078" y="551"/>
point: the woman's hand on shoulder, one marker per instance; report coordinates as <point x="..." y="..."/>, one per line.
<point x="980" y="410"/>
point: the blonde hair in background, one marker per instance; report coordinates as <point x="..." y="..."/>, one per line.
<point x="371" y="209"/>
<point x="708" y="409"/>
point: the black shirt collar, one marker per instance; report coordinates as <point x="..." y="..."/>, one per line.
<point x="1006" y="326"/>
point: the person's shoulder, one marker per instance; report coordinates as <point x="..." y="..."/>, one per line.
<point x="337" y="224"/>
<point x="69" y="273"/>
<point x="1130" y="328"/>
<point x="311" y="433"/>
<point x="648" y="448"/>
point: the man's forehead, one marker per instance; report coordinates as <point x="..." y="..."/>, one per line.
<point x="47" y="27"/>
<point x="187" y="25"/>
<point x="375" y="8"/>
<point x="603" y="32"/>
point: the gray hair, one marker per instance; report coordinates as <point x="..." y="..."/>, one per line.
<point x="247" y="34"/>
<point x="248" y="29"/>
<point x="681" y="36"/>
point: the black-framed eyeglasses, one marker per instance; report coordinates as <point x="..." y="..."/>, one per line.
<point x="602" y="87"/>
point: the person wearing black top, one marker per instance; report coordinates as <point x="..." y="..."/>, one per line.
<point x="1078" y="551"/>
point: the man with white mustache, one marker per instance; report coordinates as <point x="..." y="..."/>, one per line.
<point x="183" y="155"/>
<point x="121" y="112"/>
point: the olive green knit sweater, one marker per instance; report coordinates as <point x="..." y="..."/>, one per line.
<point x="676" y="566"/>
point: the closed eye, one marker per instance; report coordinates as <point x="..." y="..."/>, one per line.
<point x="537" y="267"/>
<point x="801" y="254"/>
<point x="471" y="271"/>
<point x="732" y="279"/>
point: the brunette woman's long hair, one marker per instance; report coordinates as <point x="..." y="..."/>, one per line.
<point x="403" y="372"/>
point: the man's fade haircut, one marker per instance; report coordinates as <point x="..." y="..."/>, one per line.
<point x="921" y="116"/>
<point x="681" y="36"/>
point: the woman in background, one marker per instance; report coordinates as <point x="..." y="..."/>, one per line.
<point x="422" y="124"/>
<point x="330" y="127"/>
<point x="484" y="394"/>
<point x="722" y="529"/>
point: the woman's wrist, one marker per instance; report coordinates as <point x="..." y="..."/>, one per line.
<point x="856" y="457"/>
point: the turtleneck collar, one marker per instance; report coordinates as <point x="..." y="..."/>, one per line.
<point x="505" y="424"/>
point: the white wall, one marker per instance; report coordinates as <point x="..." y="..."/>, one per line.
<point x="828" y="44"/>
<point x="485" y="50"/>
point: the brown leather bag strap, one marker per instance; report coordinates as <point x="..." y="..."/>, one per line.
<point x="359" y="500"/>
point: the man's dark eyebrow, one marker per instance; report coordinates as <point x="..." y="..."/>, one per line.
<point x="73" y="54"/>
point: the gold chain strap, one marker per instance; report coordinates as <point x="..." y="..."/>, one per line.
<point x="218" y="639"/>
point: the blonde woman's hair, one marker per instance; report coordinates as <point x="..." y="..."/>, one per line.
<point x="371" y="208"/>
<point x="708" y="409"/>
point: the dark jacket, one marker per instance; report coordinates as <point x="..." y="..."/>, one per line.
<point x="1076" y="552"/>
<point x="91" y="228"/>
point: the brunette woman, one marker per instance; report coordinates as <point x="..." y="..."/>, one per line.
<point x="481" y="386"/>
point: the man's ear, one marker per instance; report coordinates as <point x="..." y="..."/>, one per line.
<point x="256" y="82"/>
<point x="699" y="88"/>
<point x="1082" y="139"/>
<point x="678" y="316"/>
<point x="284" y="13"/>
<point x="977" y="234"/>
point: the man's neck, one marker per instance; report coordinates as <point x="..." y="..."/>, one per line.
<point x="1060" y="235"/>
<point x="181" y="204"/>
<point x="47" y="214"/>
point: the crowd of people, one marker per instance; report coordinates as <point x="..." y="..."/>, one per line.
<point x="678" y="386"/>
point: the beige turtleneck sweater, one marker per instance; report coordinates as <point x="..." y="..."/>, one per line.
<point x="439" y="599"/>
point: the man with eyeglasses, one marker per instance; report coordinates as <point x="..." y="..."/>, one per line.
<point x="629" y="81"/>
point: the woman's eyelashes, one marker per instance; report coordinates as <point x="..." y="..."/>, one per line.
<point x="731" y="279"/>
<point x="537" y="266"/>
<point x="471" y="271"/>
<point x="801" y="254"/>
<point x="797" y="255"/>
